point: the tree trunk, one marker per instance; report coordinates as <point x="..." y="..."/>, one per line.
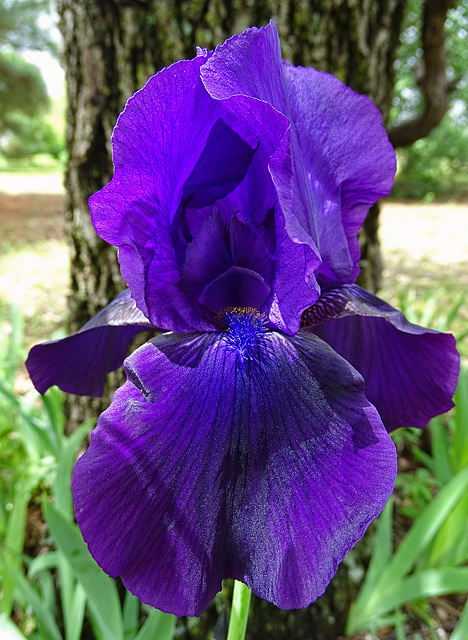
<point x="111" y="48"/>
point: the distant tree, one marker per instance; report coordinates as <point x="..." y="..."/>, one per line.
<point x="20" y="28"/>
<point x="23" y="93"/>
<point x="436" y="164"/>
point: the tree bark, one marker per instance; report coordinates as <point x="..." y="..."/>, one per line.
<point x="111" y="47"/>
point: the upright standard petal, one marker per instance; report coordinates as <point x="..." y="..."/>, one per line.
<point x="348" y="160"/>
<point x="157" y="142"/>
<point x="246" y="75"/>
<point x="80" y="362"/>
<point x="411" y="372"/>
<point x="181" y="154"/>
<point x="264" y="463"/>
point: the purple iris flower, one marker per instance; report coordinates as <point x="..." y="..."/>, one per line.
<point x="243" y="446"/>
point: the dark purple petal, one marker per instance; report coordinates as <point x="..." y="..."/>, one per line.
<point x="220" y="168"/>
<point x="348" y="160"/>
<point x="229" y="265"/>
<point x="246" y="75"/>
<point x="157" y="142"/>
<point x="411" y="372"/>
<point x="80" y="363"/>
<point x="209" y="465"/>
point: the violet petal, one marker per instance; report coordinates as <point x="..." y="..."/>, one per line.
<point x="206" y="466"/>
<point x="158" y="140"/>
<point x="80" y="362"/>
<point x="246" y="75"/>
<point x="348" y="160"/>
<point x="411" y="372"/>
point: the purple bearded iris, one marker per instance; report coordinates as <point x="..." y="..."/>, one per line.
<point x="242" y="446"/>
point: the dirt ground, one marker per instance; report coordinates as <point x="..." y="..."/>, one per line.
<point x="425" y="250"/>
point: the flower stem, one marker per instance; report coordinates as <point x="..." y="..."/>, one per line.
<point x="239" y="611"/>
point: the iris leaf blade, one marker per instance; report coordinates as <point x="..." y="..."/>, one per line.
<point x="392" y="579"/>
<point x="101" y="591"/>
<point x="460" y="434"/>
<point x="423" y="584"/>
<point x="461" y="630"/>
<point x="62" y="491"/>
<point x="44" y="562"/>
<point x="381" y="553"/>
<point x="440" y="452"/>
<point x="131" y="608"/>
<point x="76" y="614"/>
<point x="48" y="626"/>
<point x="157" y="625"/>
<point x="424" y="529"/>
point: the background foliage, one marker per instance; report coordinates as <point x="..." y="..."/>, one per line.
<point x="436" y="166"/>
<point x="26" y="126"/>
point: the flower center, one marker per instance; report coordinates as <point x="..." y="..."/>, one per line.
<point x="229" y="264"/>
<point x="244" y="327"/>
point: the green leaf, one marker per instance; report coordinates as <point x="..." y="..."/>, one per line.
<point x="73" y="597"/>
<point x="423" y="584"/>
<point x="8" y="629"/>
<point x="391" y="583"/>
<point x="461" y="630"/>
<point x="157" y="625"/>
<point x="14" y="540"/>
<point x="62" y="486"/>
<point x="425" y="528"/>
<point x="450" y="545"/>
<point x="460" y="434"/>
<point x="76" y="614"/>
<point x="381" y="553"/>
<point x="100" y="589"/>
<point x="45" y="619"/>
<point x="441" y="451"/>
<point x="131" y="611"/>
<point x="45" y="562"/>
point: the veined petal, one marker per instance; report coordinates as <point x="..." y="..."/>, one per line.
<point x="246" y="75"/>
<point x="208" y="465"/>
<point x="160" y="137"/>
<point x="348" y="160"/>
<point x="411" y="372"/>
<point x="80" y="362"/>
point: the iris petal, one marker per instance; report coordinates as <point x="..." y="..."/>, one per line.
<point x="246" y="75"/>
<point x="80" y="362"/>
<point x="348" y="160"/>
<point x="411" y="372"/>
<point x="207" y="465"/>
<point x="158" y="140"/>
<point x="220" y="168"/>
